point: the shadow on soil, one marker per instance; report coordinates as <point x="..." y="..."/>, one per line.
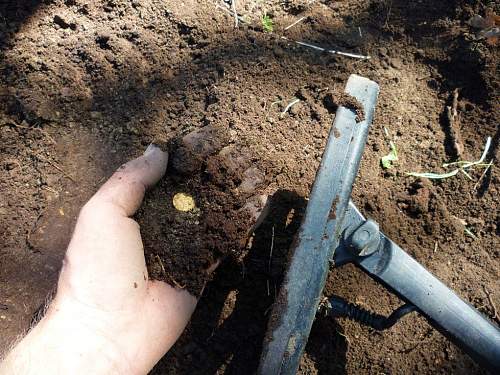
<point x="248" y="288"/>
<point x="249" y="285"/>
<point x="13" y="14"/>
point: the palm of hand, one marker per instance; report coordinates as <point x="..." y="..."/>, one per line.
<point x="104" y="279"/>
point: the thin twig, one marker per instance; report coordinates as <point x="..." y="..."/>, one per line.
<point x="334" y="52"/>
<point x="48" y="161"/>
<point x="177" y="284"/>
<point x="493" y="306"/>
<point x="271" y="250"/>
<point x="165" y="273"/>
<point x="454" y="125"/>
<point x="240" y="19"/>
<point x="270" y="259"/>
<point x="295" y="23"/>
<point x="161" y="265"/>
<point x="346" y="339"/>
<point x="235" y="13"/>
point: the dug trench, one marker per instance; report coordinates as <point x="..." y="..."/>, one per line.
<point x="117" y="75"/>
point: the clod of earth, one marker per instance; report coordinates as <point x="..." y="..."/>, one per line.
<point x="196" y="146"/>
<point x="252" y="178"/>
<point x="337" y="99"/>
<point x="256" y="208"/>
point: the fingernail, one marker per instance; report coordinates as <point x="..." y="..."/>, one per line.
<point x="150" y="149"/>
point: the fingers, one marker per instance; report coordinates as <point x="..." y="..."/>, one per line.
<point x="168" y="312"/>
<point x="125" y="189"/>
<point x="105" y="256"/>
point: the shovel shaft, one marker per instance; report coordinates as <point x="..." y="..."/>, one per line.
<point x="294" y="311"/>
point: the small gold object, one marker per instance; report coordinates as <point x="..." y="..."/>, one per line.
<point x="183" y="202"/>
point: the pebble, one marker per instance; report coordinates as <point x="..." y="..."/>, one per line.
<point x="395" y="63"/>
<point x="95" y="115"/>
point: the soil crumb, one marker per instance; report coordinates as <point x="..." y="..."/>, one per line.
<point x="337" y="99"/>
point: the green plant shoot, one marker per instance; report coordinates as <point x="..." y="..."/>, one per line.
<point x="388" y="160"/>
<point x="267" y="23"/>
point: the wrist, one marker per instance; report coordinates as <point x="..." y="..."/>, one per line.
<point x="65" y="342"/>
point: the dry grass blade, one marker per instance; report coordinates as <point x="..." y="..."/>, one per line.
<point x="334" y="52"/>
<point x="484" y="174"/>
<point x="290" y="105"/>
<point x="462" y="166"/>
<point x="235" y="13"/>
<point x="295" y="23"/>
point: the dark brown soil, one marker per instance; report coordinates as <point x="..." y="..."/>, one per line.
<point x="345" y="100"/>
<point x="87" y="85"/>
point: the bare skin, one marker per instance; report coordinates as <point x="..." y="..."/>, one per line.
<point x="107" y="316"/>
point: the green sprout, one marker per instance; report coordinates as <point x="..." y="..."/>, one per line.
<point x="267" y="23"/>
<point x="387" y="160"/>
<point x="462" y="166"/>
<point x="469" y="233"/>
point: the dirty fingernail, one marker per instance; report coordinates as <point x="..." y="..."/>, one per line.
<point x="151" y="149"/>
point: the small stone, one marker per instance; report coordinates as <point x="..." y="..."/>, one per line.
<point x="232" y="159"/>
<point x="395" y="63"/>
<point x="252" y="178"/>
<point x="278" y="51"/>
<point x="202" y="142"/>
<point x="257" y="208"/>
<point x="294" y="110"/>
<point x="382" y="51"/>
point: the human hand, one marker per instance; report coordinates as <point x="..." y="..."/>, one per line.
<point x="107" y="316"/>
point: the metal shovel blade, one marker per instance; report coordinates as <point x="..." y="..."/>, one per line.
<point x="294" y="310"/>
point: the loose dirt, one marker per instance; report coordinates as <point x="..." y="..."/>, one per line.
<point x="86" y="86"/>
